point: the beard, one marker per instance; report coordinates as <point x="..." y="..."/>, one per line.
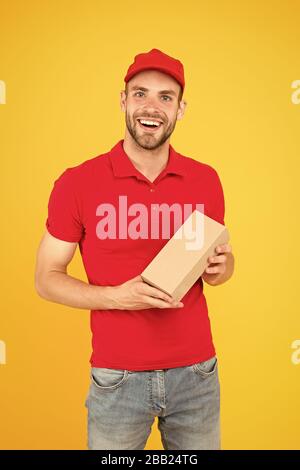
<point x="146" y="140"/>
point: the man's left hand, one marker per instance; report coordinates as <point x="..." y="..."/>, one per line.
<point x="218" y="262"/>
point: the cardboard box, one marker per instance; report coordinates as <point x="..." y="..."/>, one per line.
<point x="181" y="261"/>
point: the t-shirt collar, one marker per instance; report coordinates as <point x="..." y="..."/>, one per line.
<point x="122" y="165"/>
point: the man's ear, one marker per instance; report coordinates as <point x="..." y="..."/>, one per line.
<point x="181" y="109"/>
<point x="123" y="100"/>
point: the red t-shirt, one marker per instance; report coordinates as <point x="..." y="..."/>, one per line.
<point x="146" y="339"/>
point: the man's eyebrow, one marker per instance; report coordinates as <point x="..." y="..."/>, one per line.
<point x="162" y="92"/>
<point x="168" y="92"/>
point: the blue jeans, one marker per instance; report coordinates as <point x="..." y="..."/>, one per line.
<point x="123" y="404"/>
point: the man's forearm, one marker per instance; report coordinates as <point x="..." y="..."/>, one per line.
<point x="220" y="278"/>
<point x="60" y="287"/>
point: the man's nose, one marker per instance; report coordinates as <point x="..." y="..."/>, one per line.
<point x="151" y="109"/>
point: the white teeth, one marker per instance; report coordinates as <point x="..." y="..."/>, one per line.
<point x="151" y="123"/>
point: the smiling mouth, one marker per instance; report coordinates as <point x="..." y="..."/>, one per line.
<point x="149" y="124"/>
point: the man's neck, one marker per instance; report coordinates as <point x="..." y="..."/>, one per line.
<point x="148" y="162"/>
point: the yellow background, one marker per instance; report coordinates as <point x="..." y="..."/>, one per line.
<point x="63" y="63"/>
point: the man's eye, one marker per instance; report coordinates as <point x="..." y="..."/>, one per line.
<point x="138" y="92"/>
<point x="166" y="96"/>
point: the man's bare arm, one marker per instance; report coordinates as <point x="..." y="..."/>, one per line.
<point x="53" y="283"/>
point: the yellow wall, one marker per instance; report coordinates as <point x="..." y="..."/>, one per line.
<point x="62" y="64"/>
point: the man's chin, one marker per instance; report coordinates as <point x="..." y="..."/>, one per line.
<point x="149" y="142"/>
<point x="150" y="145"/>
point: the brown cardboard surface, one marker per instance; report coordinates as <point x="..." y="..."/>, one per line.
<point x="176" y="267"/>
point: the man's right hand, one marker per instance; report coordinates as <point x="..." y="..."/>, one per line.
<point x="136" y="294"/>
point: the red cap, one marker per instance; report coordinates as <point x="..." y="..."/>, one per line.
<point x="158" y="60"/>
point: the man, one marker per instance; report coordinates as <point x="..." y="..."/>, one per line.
<point x="152" y="356"/>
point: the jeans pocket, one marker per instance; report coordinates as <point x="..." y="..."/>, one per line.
<point x="206" y="368"/>
<point x="108" y="379"/>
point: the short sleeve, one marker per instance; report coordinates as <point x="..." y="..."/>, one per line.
<point x="218" y="202"/>
<point x="63" y="219"/>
